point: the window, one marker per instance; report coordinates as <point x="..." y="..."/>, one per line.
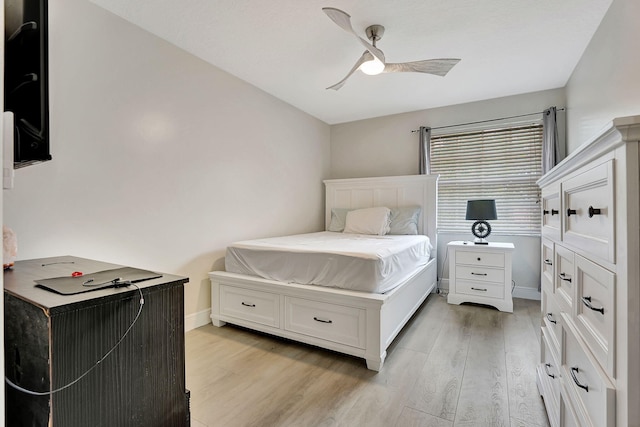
<point x="499" y="163"/>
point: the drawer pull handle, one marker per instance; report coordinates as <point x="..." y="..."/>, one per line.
<point x="548" y="365"/>
<point x="594" y="211"/>
<point x="554" y="212"/>
<point x="544" y="212"/>
<point x="478" y="274"/>
<point x="549" y="315"/>
<point x="571" y="212"/>
<point x="548" y="262"/>
<point x="478" y="289"/>
<point x="564" y="277"/>
<point x="574" y="371"/>
<point x="479" y="259"/>
<point x="248" y="305"/>
<point x="587" y="301"/>
<point x="322" y="320"/>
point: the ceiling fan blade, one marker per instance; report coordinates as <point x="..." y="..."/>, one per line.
<point x="439" y="67"/>
<point x="343" y="20"/>
<point x="364" y="58"/>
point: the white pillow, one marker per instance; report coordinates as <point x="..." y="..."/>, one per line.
<point x="368" y="221"/>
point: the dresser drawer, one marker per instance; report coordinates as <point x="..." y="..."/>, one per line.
<point x="595" y="311"/>
<point x="563" y="281"/>
<point x="591" y="392"/>
<point x="588" y="214"/>
<point x="489" y="290"/>
<point x="552" y="319"/>
<point x="549" y="373"/>
<point x="480" y="274"/>
<point x="484" y="259"/>
<point x="568" y="415"/>
<point x="548" y="271"/>
<point x="247" y="304"/>
<point x="551" y="213"/>
<point x="332" y="322"/>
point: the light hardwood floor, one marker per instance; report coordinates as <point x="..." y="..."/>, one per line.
<point x="452" y="365"/>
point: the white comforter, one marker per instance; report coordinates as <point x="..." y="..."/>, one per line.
<point x="349" y="261"/>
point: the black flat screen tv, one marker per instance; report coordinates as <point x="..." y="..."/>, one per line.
<point x="26" y="83"/>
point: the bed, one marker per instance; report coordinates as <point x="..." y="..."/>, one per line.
<point x="350" y="306"/>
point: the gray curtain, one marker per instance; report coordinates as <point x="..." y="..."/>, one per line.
<point x="425" y="151"/>
<point x="549" y="139"/>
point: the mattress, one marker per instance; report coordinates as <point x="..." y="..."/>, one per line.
<point x="348" y="261"/>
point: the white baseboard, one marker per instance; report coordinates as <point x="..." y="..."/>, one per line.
<point x="196" y="320"/>
<point x="526" y="292"/>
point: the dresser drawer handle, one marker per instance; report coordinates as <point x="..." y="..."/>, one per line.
<point x="478" y="274"/>
<point x="322" y="320"/>
<point x="548" y="365"/>
<point x="544" y="212"/>
<point x="587" y="301"/>
<point x="479" y="289"/>
<point x="574" y="371"/>
<point x="571" y="212"/>
<point x="564" y="277"/>
<point x="594" y="211"/>
<point x="548" y="262"/>
<point x="554" y="212"/>
<point x="549" y="315"/>
<point x="248" y="305"/>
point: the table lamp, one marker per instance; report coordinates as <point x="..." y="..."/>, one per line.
<point x="481" y="211"/>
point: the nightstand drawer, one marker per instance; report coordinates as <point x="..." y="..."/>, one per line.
<point x="480" y="289"/>
<point x="485" y="259"/>
<point x="480" y="274"/>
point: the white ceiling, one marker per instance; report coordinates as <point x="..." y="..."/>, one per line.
<point x="292" y="50"/>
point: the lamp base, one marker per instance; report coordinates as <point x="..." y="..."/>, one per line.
<point x="481" y="242"/>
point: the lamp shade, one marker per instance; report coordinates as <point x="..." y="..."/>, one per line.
<point x="481" y="209"/>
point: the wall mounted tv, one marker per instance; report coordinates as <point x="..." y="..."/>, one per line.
<point x="26" y="86"/>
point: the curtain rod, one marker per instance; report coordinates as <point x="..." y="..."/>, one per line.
<point x="486" y="121"/>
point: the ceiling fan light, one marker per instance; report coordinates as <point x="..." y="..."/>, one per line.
<point x="373" y="67"/>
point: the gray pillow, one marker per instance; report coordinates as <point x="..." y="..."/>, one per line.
<point x="404" y="220"/>
<point x="338" y="219"/>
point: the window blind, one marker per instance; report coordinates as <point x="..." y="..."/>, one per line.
<point x="502" y="164"/>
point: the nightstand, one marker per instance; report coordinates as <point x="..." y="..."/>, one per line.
<point x="480" y="274"/>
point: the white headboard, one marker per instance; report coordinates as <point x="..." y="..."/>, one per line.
<point x="392" y="192"/>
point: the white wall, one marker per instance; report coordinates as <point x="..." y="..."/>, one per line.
<point x="606" y="82"/>
<point x="386" y="146"/>
<point x="160" y="159"/>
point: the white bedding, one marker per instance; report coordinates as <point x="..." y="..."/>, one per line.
<point x="349" y="261"/>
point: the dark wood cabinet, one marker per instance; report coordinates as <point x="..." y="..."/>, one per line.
<point x="51" y="340"/>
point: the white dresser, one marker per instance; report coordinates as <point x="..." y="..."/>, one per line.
<point x="480" y="274"/>
<point x="589" y="373"/>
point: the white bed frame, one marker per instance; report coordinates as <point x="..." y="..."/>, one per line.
<point x="356" y="323"/>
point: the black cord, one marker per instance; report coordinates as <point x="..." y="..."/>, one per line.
<point x="48" y="393"/>
<point x="444" y="264"/>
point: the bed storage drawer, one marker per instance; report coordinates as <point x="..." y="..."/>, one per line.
<point x="332" y="322"/>
<point x="251" y="305"/>
<point x="590" y="391"/>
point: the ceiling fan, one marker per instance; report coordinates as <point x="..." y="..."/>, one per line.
<point x="372" y="61"/>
